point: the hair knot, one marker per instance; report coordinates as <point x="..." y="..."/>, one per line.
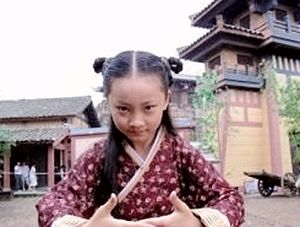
<point x="98" y="64"/>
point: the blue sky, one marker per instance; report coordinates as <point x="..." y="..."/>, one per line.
<point x="47" y="47"/>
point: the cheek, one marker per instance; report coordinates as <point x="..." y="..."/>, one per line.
<point x="117" y="118"/>
<point x="156" y="119"/>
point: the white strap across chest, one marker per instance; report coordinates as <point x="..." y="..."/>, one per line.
<point x="144" y="164"/>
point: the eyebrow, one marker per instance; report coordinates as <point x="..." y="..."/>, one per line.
<point x="121" y="102"/>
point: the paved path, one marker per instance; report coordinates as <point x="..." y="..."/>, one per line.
<point x="276" y="211"/>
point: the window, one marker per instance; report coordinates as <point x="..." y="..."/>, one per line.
<point x="280" y="14"/>
<point x="215" y="61"/>
<point x="245" y="22"/>
<point x="244" y="60"/>
<point x="297" y="15"/>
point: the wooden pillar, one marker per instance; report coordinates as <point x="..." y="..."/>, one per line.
<point x="50" y="166"/>
<point x="66" y="157"/>
<point x="73" y="152"/>
<point x="6" y="168"/>
<point x="274" y="61"/>
<point x="274" y="132"/>
<point x="288" y="23"/>
<point x="220" y="20"/>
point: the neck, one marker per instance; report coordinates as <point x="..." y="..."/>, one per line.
<point x="143" y="148"/>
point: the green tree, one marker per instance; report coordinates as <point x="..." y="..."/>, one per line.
<point x="5" y="141"/>
<point x="208" y="104"/>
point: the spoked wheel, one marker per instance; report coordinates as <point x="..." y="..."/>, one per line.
<point x="289" y="183"/>
<point x="264" y="188"/>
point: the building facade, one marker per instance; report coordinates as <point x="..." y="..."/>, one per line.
<point x="242" y="36"/>
<point x="39" y="130"/>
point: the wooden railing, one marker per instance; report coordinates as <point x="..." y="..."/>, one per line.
<point x="242" y="76"/>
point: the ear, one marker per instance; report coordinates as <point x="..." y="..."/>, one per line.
<point x="167" y="100"/>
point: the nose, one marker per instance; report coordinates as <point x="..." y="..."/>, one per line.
<point x="136" y="121"/>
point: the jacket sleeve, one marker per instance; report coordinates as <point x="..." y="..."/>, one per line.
<point x="74" y="195"/>
<point x="204" y="187"/>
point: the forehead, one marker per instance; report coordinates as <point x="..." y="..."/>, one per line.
<point x="137" y="88"/>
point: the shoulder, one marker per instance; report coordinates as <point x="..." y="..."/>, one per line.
<point x="184" y="152"/>
<point x="94" y="153"/>
<point x="179" y="144"/>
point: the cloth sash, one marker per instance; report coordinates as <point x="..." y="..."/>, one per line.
<point x="144" y="164"/>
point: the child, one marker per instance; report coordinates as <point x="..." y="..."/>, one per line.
<point x="144" y="174"/>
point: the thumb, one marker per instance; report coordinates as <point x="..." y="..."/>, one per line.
<point x="107" y="207"/>
<point x="177" y="203"/>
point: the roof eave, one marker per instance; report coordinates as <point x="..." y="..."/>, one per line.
<point x="207" y="48"/>
<point x="206" y="17"/>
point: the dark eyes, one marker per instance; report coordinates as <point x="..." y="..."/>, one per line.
<point x="150" y="107"/>
<point x="124" y="109"/>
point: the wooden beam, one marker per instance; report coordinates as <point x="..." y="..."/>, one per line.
<point x="50" y="166"/>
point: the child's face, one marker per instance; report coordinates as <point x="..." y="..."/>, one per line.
<point x="136" y="104"/>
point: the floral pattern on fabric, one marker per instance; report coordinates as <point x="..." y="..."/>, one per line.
<point x="176" y="166"/>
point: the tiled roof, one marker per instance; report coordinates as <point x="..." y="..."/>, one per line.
<point x="242" y="29"/>
<point x="88" y="131"/>
<point x="206" y="17"/>
<point x="40" y="135"/>
<point x="226" y="28"/>
<point x="210" y="5"/>
<point x="49" y="107"/>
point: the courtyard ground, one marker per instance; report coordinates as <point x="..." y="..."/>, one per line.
<point x="276" y="211"/>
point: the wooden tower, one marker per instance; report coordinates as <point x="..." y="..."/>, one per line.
<point x="241" y="34"/>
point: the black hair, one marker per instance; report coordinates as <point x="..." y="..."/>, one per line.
<point x="120" y="66"/>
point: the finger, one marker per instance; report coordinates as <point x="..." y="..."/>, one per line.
<point x="111" y="203"/>
<point x="107" y="207"/>
<point x="177" y="203"/>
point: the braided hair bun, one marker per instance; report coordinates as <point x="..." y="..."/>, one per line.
<point x="175" y="64"/>
<point x="98" y="64"/>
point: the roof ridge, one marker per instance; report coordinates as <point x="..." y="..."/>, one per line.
<point x="49" y="98"/>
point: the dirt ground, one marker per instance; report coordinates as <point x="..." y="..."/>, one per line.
<point x="275" y="211"/>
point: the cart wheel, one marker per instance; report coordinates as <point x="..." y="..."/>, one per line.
<point x="264" y="188"/>
<point x="289" y="182"/>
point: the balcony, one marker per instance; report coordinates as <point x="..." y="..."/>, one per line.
<point x="285" y="32"/>
<point x="240" y="78"/>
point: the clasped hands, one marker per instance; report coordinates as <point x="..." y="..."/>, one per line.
<point x="181" y="216"/>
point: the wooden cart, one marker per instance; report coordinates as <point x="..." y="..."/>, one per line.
<point x="267" y="182"/>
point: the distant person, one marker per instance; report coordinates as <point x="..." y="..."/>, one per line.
<point x="33" y="178"/>
<point x="62" y="171"/>
<point x="25" y="176"/>
<point x="18" y="176"/>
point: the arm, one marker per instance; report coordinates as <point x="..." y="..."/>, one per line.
<point x="74" y="194"/>
<point x="203" y="187"/>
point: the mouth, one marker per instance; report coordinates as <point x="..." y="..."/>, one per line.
<point x="135" y="133"/>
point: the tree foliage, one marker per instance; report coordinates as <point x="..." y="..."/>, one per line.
<point x="208" y="105"/>
<point x="5" y="142"/>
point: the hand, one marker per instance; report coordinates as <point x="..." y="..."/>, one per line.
<point x="181" y="216"/>
<point x="102" y="217"/>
